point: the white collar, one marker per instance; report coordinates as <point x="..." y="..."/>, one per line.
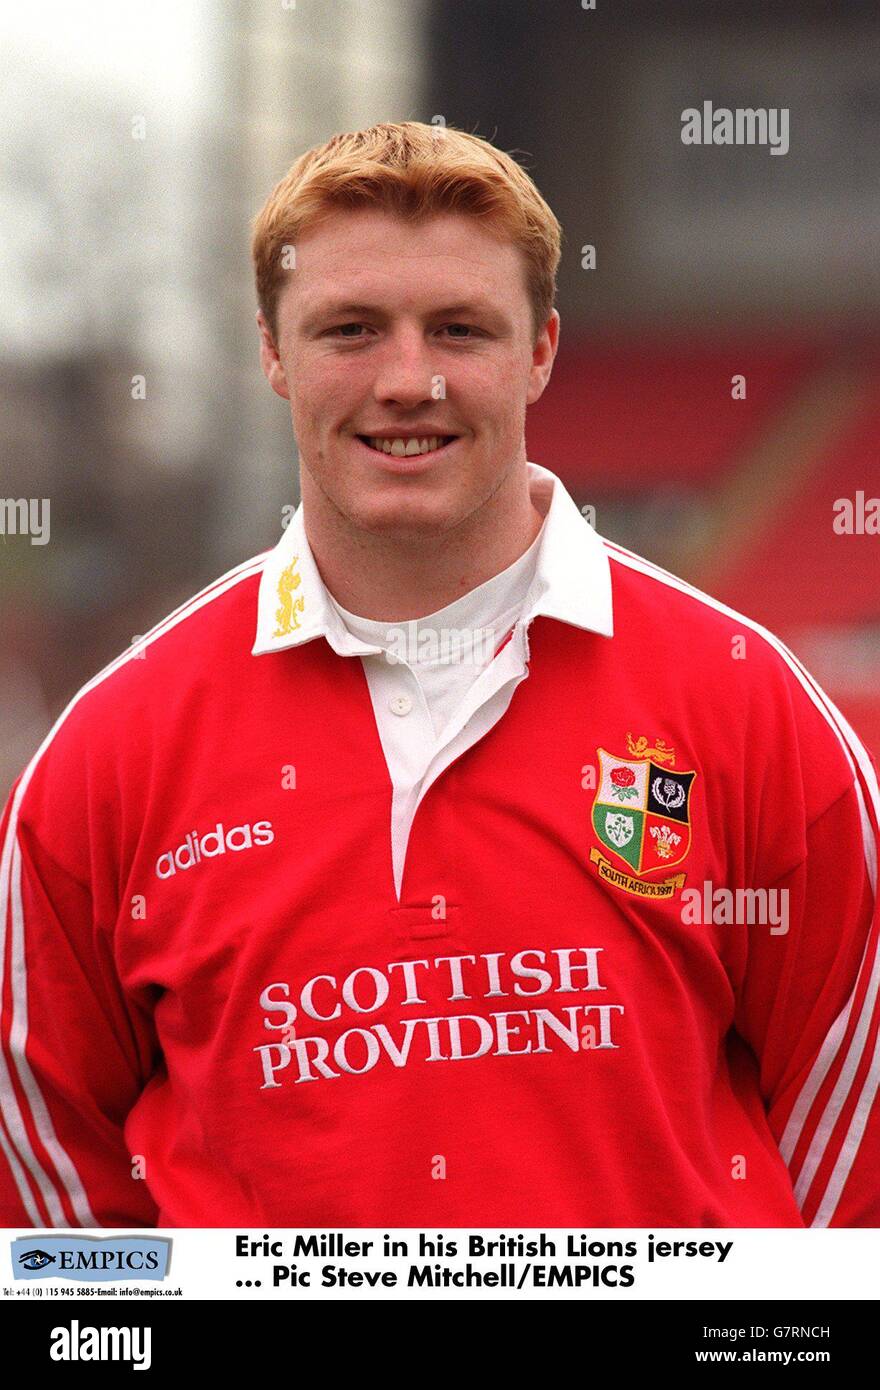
<point x="572" y="579"/>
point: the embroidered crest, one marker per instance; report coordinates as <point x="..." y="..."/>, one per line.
<point x="641" y="814"/>
<point x="286" y="615"/>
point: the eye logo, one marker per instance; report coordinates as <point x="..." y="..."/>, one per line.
<point x="36" y="1259"/>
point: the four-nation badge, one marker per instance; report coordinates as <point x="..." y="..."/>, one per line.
<point x="641" y="815"/>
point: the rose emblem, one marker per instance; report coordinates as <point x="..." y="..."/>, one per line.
<point x="623" y="783"/>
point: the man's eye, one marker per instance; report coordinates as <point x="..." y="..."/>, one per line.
<point x="461" y="331"/>
<point x="36" y="1259"/>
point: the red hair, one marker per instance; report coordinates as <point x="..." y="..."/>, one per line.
<point x="413" y="170"/>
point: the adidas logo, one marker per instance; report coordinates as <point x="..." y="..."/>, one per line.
<point x="195" y="848"/>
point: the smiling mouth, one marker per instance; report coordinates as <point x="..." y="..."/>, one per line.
<point x="397" y="447"/>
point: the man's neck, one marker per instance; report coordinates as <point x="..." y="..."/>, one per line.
<point x="395" y="579"/>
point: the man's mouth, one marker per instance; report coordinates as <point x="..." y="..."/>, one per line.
<point x="406" y="448"/>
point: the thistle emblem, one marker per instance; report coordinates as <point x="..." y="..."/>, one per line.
<point x="668" y="792"/>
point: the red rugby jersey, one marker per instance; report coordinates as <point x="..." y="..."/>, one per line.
<point x="630" y="979"/>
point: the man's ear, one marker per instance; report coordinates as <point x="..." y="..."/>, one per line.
<point x="543" y="356"/>
<point x="269" y="359"/>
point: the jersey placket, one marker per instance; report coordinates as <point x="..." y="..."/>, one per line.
<point x="421" y="755"/>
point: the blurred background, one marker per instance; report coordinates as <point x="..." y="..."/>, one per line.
<point x="136" y="144"/>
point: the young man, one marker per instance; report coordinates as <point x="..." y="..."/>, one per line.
<point x="446" y="865"/>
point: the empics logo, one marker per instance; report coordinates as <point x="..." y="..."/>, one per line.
<point x="75" y="1343"/>
<point x="91" y="1259"/>
<point x="195" y="848"/>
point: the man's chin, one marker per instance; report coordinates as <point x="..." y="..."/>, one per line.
<point x="407" y="523"/>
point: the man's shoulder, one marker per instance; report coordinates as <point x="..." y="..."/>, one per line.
<point x="731" y="667"/>
<point x="199" y="641"/>
<point x="686" y="627"/>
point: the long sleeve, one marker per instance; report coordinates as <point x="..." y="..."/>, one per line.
<point x="75" y="1051"/>
<point x="809" y="1010"/>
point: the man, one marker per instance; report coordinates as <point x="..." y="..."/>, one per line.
<point x="502" y="878"/>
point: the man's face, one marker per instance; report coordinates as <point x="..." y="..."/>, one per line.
<point x="390" y="330"/>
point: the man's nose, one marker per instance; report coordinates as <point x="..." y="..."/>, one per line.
<point x="405" y="373"/>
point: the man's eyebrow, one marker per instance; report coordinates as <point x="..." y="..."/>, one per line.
<point x="339" y="309"/>
<point x="333" y="308"/>
<point x="468" y="306"/>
